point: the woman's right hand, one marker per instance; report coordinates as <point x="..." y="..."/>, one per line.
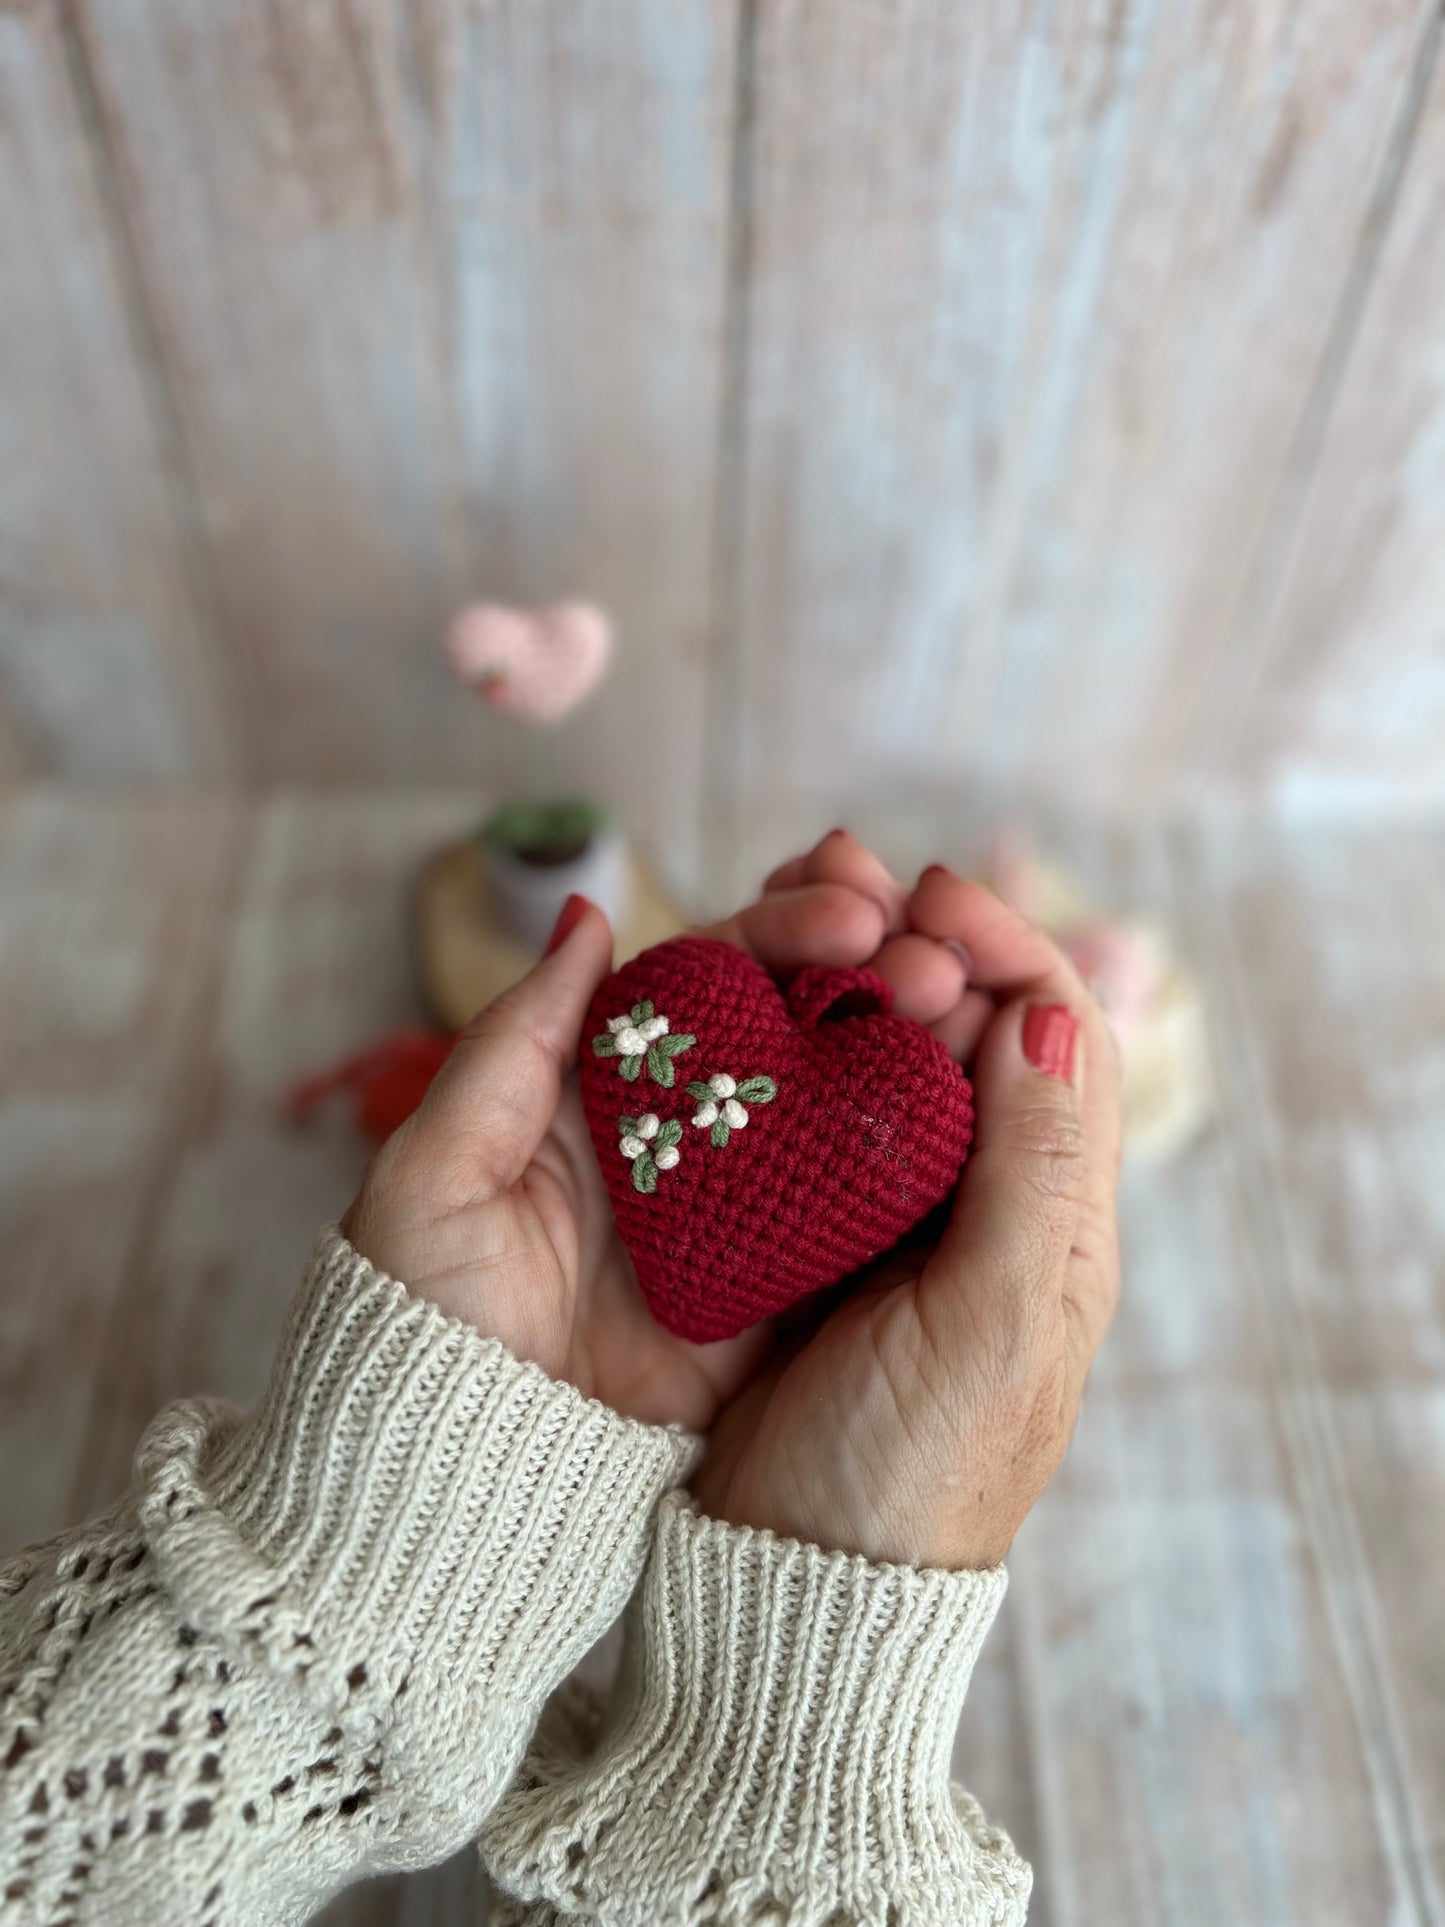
<point x="922" y="1418"/>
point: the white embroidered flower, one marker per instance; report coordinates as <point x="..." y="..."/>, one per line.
<point x="650" y="1146"/>
<point x="720" y="1103"/>
<point x="644" y="1129"/>
<point x="633" y="1039"/>
<point x="641" y="1037"/>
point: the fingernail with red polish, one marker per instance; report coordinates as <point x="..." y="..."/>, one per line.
<point x="1049" y="1033"/>
<point x="570" y="915"/>
<point x="935" y="870"/>
<point x="840" y="831"/>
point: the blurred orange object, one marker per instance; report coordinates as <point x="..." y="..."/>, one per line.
<point x="383" y="1083"/>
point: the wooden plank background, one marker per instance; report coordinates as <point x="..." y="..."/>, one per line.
<point x="1022" y="400"/>
<point x="1031" y="406"/>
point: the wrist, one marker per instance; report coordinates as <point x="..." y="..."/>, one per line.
<point x="524" y="1304"/>
<point x="783" y="1731"/>
<point x="843" y="1523"/>
<point x="407" y="1503"/>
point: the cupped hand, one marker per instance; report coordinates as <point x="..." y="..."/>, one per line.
<point x="489" y="1201"/>
<point x="922" y="1417"/>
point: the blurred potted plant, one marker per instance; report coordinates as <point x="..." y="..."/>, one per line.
<point x="536" y="855"/>
<point x="538" y="665"/>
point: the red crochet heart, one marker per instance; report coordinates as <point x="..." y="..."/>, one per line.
<point x="735" y="1217"/>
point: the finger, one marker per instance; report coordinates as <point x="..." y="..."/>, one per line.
<point x="992" y="1294"/>
<point x="815" y="923"/>
<point x="496" y="1095"/>
<point x="1009" y="957"/>
<point x="1090" y="1286"/>
<point x="927" y="978"/>
<point x="961" y="1029"/>
<point x="787" y="876"/>
<point x="1008" y="954"/>
<point x="841" y="858"/>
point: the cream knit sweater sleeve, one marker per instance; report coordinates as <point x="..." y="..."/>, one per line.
<point x="775" y="1755"/>
<point x="311" y="1642"/>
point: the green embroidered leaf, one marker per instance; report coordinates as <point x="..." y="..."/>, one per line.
<point x="627" y="1127"/>
<point x="644" y="1173"/>
<point x="702" y="1092"/>
<point x="659" y="1065"/>
<point x="641" y="1013"/>
<point x="605" y="1046"/>
<point x="671" y="1133"/>
<point x="679" y="1041"/>
<point x="630" y="1068"/>
<point x="757" y="1090"/>
<point x="720" y="1133"/>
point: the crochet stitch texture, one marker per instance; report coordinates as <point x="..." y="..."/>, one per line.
<point x="864" y="1127"/>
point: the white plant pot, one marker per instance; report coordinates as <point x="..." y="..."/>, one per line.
<point x="527" y="898"/>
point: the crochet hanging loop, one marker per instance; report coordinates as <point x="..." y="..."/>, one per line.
<point x="819" y="995"/>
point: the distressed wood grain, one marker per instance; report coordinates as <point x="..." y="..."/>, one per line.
<point x="1036" y="297"/>
<point x="109" y="649"/>
<point x="439" y="289"/>
<point x="1191" y="1716"/>
<point x="318" y="962"/>
<point x="108" y="925"/>
<point x="1347" y="702"/>
<point x="1331" y="941"/>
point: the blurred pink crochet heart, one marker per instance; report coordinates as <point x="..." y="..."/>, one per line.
<point x="534" y="663"/>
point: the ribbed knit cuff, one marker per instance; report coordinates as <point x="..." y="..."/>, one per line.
<point x="781" y="1741"/>
<point x="408" y="1505"/>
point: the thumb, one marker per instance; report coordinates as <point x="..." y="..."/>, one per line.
<point x="999" y="1268"/>
<point x="494" y="1098"/>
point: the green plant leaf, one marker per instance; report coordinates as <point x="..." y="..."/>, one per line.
<point x="605" y="1046"/>
<point x="630" y="1067"/>
<point x="644" y="1174"/>
<point x="659" y="1067"/>
<point x="562" y="827"/>
<point x="671" y="1133"/>
<point x="757" y="1090"/>
<point x="702" y="1092"/>
<point x="677" y="1041"/>
<point x="720" y="1133"/>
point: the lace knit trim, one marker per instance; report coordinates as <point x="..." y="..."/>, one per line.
<point x="311" y="1642"/>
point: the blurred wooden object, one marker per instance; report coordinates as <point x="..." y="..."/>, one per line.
<point x="1213" y="1696"/>
<point x="1058" y="412"/>
<point x="466" y="960"/>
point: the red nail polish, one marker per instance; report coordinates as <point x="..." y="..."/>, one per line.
<point x="1049" y="1033"/>
<point x="568" y="918"/>
<point x="935" y="870"/>
<point x="840" y="831"/>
